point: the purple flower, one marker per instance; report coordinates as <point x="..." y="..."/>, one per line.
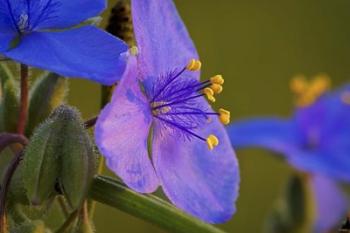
<point x="314" y="140"/>
<point x="43" y="34"/>
<point x="159" y="129"/>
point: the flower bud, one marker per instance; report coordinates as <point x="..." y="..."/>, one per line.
<point x="47" y="93"/>
<point x="9" y="103"/>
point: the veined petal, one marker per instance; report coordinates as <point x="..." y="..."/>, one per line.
<point x="162" y="38"/>
<point x="121" y="134"/>
<point x="269" y="133"/>
<point x="331" y="203"/>
<point x="199" y="181"/>
<point x="58" y="14"/>
<point x="85" y="52"/>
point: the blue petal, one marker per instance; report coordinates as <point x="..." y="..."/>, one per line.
<point x="333" y="163"/>
<point x="331" y="204"/>
<point x="162" y="37"/>
<point x="121" y="134"/>
<point x="7" y="28"/>
<point x="55" y="14"/>
<point x="201" y="182"/>
<point x="270" y="133"/>
<point x="326" y="123"/>
<point x="85" y="52"/>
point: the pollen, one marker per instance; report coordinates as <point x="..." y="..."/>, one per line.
<point x="217" y="88"/>
<point x="134" y="50"/>
<point x="217" y="79"/>
<point x="212" y="141"/>
<point x="224" y="116"/>
<point x="209" y="93"/>
<point x="194" y="65"/>
<point x="307" y="92"/>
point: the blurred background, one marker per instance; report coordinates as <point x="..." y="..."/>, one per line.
<point x="258" y="46"/>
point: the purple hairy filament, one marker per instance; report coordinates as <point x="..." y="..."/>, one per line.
<point x="176" y="101"/>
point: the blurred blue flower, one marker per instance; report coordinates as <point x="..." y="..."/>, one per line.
<point x="316" y="140"/>
<point x="158" y="111"/>
<point x="42" y="33"/>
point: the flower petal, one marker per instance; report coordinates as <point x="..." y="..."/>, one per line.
<point x="58" y="14"/>
<point x="333" y="163"/>
<point x="328" y="196"/>
<point x="327" y="121"/>
<point x="85" y="52"/>
<point x="269" y="133"/>
<point x="201" y="182"/>
<point x="162" y="37"/>
<point x="121" y="134"/>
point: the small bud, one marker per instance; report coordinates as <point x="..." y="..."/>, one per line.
<point x="36" y="226"/>
<point x="47" y="93"/>
<point x="9" y="103"/>
<point x="78" y="159"/>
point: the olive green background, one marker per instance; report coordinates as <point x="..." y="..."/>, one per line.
<point x="258" y="46"/>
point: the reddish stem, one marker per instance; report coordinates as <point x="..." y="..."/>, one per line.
<point x="23" y="112"/>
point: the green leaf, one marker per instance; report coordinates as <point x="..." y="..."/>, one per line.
<point x="148" y="207"/>
<point x="47" y="93"/>
<point x="9" y="103"/>
<point x="36" y="226"/>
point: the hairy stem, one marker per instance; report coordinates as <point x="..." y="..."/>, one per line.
<point x="23" y="112"/>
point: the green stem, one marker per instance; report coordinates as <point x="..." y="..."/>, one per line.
<point x="72" y="217"/>
<point x="148" y="207"/>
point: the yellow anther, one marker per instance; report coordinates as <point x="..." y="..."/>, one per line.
<point x="194" y="65"/>
<point x="212" y="141"/>
<point x="134" y="50"/>
<point x="308" y="92"/>
<point x="224" y="116"/>
<point x="298" y="84"/>
<point x="217" y="88"/>
<point x="209" y="93"/>
<point x="217" y="79"/>
<point x="345" y="97"/>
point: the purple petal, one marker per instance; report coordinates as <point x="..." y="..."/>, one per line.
<point x="333" y="163"/>
<point x="53" y="14"/>
<point x="83" y="52"/>
<point x="331" y="203"/>
<point x="270" y="133"/>
<point x="121" y="134"/>
<point x="326" y="122"/>
<point x="161" y="36"/>
<point x="201" y="182"/>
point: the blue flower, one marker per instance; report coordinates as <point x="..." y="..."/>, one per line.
<point x="43" y="34"/>
<point x="160" y="130"/>
<point x="314" y="140"/>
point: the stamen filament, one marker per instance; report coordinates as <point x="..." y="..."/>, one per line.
<point x="180" y="127"/>
<point x="177" y="102"/>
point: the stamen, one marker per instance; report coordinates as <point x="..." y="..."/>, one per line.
<point x="209" y="94"/>
<point x="308" y="92"/>
<point x="217" y="79"/>
<point x="217" y="88"/>
<point x="194" y="65"/>
<point x="134" y="51"/>
<point x="212" y="141"/>
<point x="180" y="127"/>
<point x="224" y="116"/>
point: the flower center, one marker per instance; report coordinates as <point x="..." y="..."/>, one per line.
<point x="177" y="102"/>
